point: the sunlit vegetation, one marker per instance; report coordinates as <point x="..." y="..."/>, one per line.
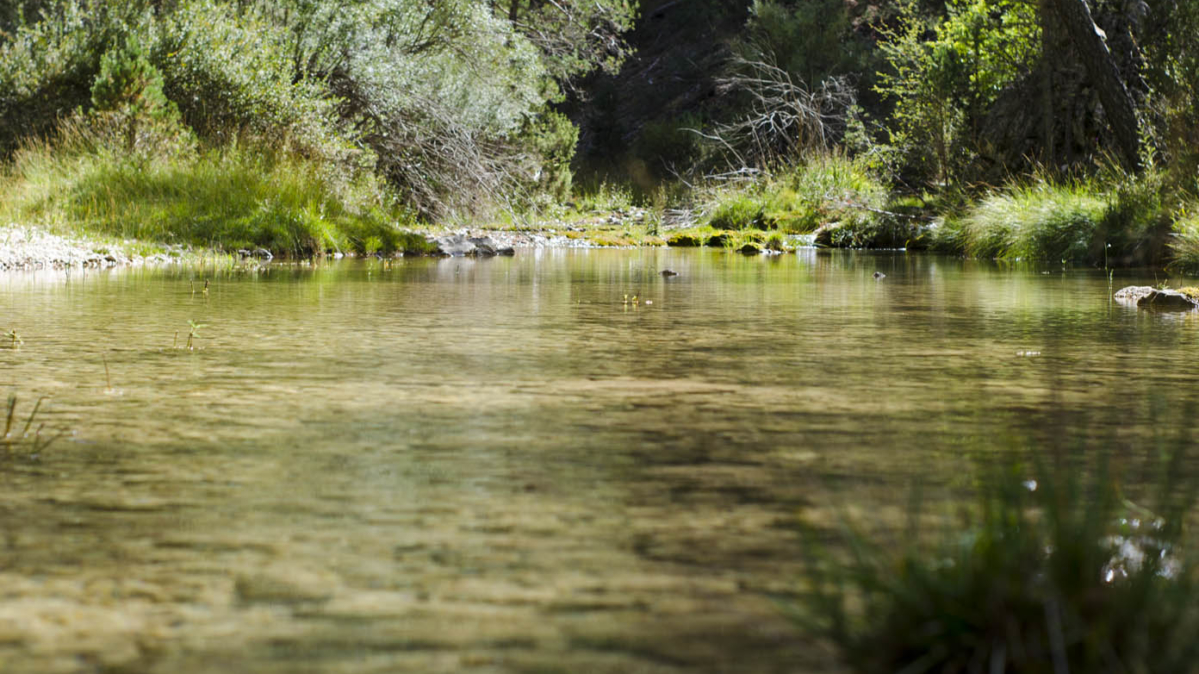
<point x="306" y="127"/>
<point x="327" y="127"/>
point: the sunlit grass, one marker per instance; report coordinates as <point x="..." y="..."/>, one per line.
<point x="823" y="190"/>
<point x="230" y="198"/>
<point x="1185" y="241"/>
<point x="1119" y="221"/>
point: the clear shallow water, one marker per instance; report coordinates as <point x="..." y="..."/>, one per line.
<point x="500" y="466"/>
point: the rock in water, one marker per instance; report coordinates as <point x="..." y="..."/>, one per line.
<point x="1133" y="294"/>
<point x="1156" y="298"/>
<point x="1167" y="300"/>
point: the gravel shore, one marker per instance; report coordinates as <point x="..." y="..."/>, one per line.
<point x="30" y="248"/>
<point x="25" y="248"/>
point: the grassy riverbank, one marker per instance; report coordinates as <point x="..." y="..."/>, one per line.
<point x="1107" y="221"/>
<point x="237" y="197"/>
<point x="250" y="195"/>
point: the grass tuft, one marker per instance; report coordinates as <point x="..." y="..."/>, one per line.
<point x="1054" y="569"/>
<point x="1119" y="224"/>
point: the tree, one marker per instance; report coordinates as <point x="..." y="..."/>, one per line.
<point x="1090" y="43"/>
<point x="129" y="90"/>
<point x="575" y="37"/>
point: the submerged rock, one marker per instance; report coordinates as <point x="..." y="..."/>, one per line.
<point x="750" y="248"/>
<point x="1156" y="298"/>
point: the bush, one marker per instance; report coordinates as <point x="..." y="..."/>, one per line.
<point x="48" y="67"/>
<point x="823" y="190"/>
<point x="1053" y="570"/>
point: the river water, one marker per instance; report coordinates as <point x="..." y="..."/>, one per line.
<point x="503" y="465"/>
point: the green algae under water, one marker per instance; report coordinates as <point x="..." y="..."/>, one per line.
<point x="503" y="465"/>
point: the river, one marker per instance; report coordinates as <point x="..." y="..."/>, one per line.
<point x="512" y="465"/>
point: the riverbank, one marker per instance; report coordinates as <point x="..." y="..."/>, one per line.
<point x="25" y="248"/>
<point x="31" y="248"/>
<point x="96" y="212"/>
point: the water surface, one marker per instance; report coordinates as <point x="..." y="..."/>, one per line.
<point x="503" y="465"/>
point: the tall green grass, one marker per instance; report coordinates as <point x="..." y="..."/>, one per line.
<point x="798" y="199"/>
<point x="1058" y="567"/>
<point x="238" y="196"/>
<point x="1185" y="242"/>
<point x="1114" y="221"/>
<point x="831" y="194"/>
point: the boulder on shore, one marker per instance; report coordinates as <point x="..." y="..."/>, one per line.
<point x="485" y="246"/>
<point x="1159" y="299"/>
<point x="459" y="245"/>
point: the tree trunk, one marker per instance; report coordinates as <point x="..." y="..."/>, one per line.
<point x="1118" y="106"/>
<point x="1048" y="153"/>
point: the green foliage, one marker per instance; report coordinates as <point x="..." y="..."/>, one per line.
<point x="128" y="95"/>
<point x="943" y="74"/>
<point x="1053" y="569"/>
<point x="575" y="37"/>
<point x="447" y="101"/>
<point x="824" y="189"/>
<point x="671" y="143"/>
<point x="552" y="138"/>
<point x="1043" y="221"/>
<point x="230" y="73"/>
<point x="737" y="211"/>
<point x="127" y="81"/>
<point x="604" y="197"/>
<point x="1185" y="243"/>
<point x="48" y="66"/>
